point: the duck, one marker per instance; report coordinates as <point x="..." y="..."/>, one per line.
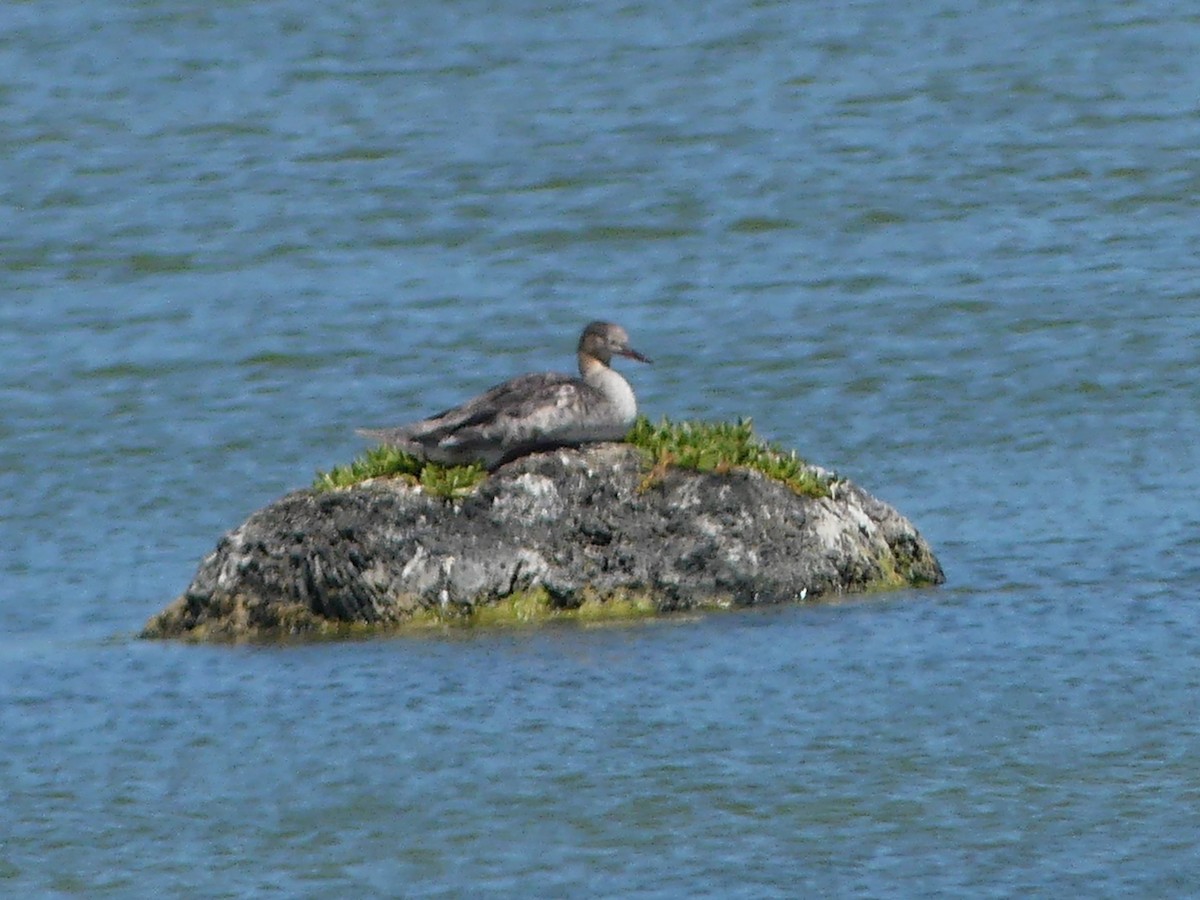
<point x="530" y="413"/>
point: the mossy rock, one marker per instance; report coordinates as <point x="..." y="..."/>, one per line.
<point x="605" y="531"/>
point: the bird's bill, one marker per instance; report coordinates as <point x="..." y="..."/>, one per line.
<point x="633" y="354"/>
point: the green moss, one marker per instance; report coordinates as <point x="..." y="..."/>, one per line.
<point x="388" y="462"/>
<point x="703" y="446"/>
<point x="720" y="447"/>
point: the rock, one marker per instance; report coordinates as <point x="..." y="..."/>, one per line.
<point x="571" y="529"/>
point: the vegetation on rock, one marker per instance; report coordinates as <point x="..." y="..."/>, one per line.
<point x="610" y="531"/>
<point x="721" y="447"/>
<point x="704" y="446"/>
<point x="387" y="462"/>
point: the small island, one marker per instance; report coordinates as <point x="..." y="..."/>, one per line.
<point x="680" y="516"/>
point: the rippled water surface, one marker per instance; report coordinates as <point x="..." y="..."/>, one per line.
<point x="947" y="249"/>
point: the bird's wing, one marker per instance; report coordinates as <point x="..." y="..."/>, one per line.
<point x="495" y="407"/>
<point x="531" y="407"/>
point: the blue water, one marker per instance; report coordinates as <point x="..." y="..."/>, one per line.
<point x="945" y="249"/>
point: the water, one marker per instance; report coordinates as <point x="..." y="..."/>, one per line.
<point x="946" y="249"/>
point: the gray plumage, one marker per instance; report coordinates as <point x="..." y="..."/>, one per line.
<point x="531" y="412"/>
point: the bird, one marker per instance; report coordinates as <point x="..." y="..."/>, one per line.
<point x="538" y="411"/>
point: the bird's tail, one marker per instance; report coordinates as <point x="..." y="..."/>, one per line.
<point x="391" y="437"/>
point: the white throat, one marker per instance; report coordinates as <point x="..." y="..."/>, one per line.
<point x="615" y="389"/>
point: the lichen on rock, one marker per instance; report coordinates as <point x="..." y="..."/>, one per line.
<point x="566" y="532"/>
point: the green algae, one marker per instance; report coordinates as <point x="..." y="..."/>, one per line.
<point x="537" y="605"/>
<point x="230" y="623"/>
